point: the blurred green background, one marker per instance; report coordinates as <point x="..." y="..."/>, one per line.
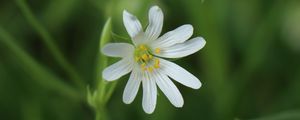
<point x="249" y="67"/>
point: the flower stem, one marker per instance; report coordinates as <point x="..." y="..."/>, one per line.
<point x="101" y="113"/>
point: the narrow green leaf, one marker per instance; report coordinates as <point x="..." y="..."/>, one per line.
<point x="97" y="98"/>
<point x="105" y="35"/>
<point x="102" y="61"/>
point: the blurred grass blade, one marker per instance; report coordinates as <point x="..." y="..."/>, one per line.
<point x="35" y="70"/>
<point x="58" y="12"/>
<point x="31" y="109"/>
<point x="49" y="42"/>
<point x="287" y="115"/>
<point x="263" y="37"/>
<point x="216" y="54"/>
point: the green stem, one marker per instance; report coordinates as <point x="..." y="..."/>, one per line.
<point x="101" y="113"/>
<point x="49" y="42"/>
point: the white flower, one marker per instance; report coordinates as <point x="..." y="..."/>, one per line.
<point x="143" y="59"/>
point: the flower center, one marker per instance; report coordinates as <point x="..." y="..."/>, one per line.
<point x="145" y="59"/>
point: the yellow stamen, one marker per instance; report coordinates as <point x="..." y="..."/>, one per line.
<point x="137" y="58"/>
<point x="157" y="50"/>
<point x="144" y="68"/>
<point x="143" y="64"/>
<point x="156" y="64"/>
<point x="150" y="69"/>
<point x="145" y="57"/>
<point x="150" y="56"/>
<point x="143" y="47"/>
<point x="156" y="61"/>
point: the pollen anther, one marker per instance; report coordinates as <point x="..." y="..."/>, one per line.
<point x="157" y="50"/>
<point x="150" y="69"/>
<point x="137" y="58"/>
<point x="145" y="57"/>
<point x="143" y="47"/>
<point x="156" y="63"/>
<point x="150" y="56"/>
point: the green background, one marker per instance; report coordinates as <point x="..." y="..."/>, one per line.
<point x="249" y="67"/>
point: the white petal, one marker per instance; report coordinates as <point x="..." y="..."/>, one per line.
<point x="169" y="89"/>
<point x="118" y="49"/>
<point x="178" y="35"/>
<point x="132" y="86"/>
<point x="149" y="93"/>
<point x="118" y="69"/>
<point x="179" y="74"/>
<point x="154" y="28"/>
<point x="183" y="49"/>
<point x="132" y="24"/>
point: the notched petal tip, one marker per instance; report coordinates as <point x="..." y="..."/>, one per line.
<point x="105" y="49"/>
<point x="179" y="105"/>
<point x="204" y="41"/>
<point x="197" y="86"/>
<point x="127" y="15"/>
<point x="148" y="111"/>
<point x="126" y="101"/>
<point x="106" y="76"/>
<point x="125" y="12"/>
<point x="155" y="7"/>
<point x="132" y="25"/>
<point x="188" y="26"/>
<point x="201" y="41"/>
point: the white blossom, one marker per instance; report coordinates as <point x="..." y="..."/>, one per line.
<point x="144" y="59"/>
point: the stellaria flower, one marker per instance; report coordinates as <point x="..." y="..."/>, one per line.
<point x="144" y="60"/>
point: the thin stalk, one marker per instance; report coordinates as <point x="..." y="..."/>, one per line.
<point x="49" y="42"/>
<point x="101" y="113"/>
